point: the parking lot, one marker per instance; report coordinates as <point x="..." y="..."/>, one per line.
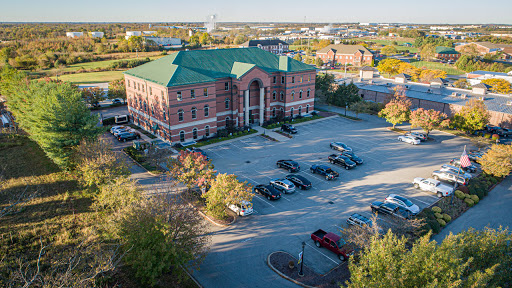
<point x="389" y="167"/>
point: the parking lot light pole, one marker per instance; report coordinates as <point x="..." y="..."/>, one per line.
<point x="301" y="272"/>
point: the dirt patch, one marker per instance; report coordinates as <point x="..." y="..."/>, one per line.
<point x="332" y="279"/>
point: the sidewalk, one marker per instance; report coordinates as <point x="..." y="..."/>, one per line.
<point x="341" y="111"/>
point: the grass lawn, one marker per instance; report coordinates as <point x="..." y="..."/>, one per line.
<point x="91" y="77"/>
<point x="436" y="65"/>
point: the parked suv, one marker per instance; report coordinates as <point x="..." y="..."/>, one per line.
<point x="456" y="170"/>
<point x="242" y="209"/>
<point x="299" y="181"/>
<point x="128" y="136"/>
<point x="449" y="176"/>
<point x="418" y="135"/>
<point x="352" y="157"/>
<point x="283" y="185"/>
<point x="342" y="161"/>
<point x="324" y="171"/>
<point x="289" y="165"/>
<point x="288" y="128"/>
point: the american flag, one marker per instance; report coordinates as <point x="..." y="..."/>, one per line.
<point x="464" y="159"/>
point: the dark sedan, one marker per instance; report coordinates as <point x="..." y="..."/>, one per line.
<point x="340" y="146"/>
<point x="391" y="209"/>
<point x="128" y="136"/>
<point x="289" y="165"/>
<point x="288" y="128"/>
<point x="299" y="181"/>
<point x="352" y="157"/>
<point x="268" y="191"/>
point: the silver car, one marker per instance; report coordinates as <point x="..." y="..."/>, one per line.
<point x="409" y="139"/>
<point x="283" y="185"/>
<point x="449" y="176"/>
<point x="404" y="202"/>
<point x="456" y="170"/>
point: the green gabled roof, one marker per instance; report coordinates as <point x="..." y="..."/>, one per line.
<point x="445" y="50"/>
<point x="198" y="66"/>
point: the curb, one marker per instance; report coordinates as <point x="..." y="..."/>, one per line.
<point x="281" y="274"/>
<point x="207" y="217"/>
<point x="138" y="164"/>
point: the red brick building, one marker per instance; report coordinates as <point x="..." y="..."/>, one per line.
<point x="189" y="95"/>
<point x="447" y="53"/>
<point x="356" y="55"/>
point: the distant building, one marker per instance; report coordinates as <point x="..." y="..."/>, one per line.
<point x="74" y="34"/>
<point x="366" y="72"/>
<point x="356" y="55"/>
<point x="446" y="53"/>
<point x="96" y="34"/>
<point x="132" y="33"/>
<point x="482" y="47"/>
<point x="275" y="46"/>
<point x="368" y="24"/>
<point x="164" y="41"/>
<point x="476" y="77"/>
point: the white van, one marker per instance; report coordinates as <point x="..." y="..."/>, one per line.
<point x="243" y="209"/>
<point x="121" y="119"/>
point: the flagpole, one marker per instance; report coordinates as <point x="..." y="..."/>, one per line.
<point x="458" y="173"/>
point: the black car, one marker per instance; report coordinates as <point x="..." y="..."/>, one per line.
<point x="391" y="209"/>
<point x="503" y="132"/>
<point x="197" y="150"/>
<point x="342" y="161"/>
<point x="352" y="157"/>
<point x="116" y="101"/>
<point x="96" y="105"/>
<point x="128" y="136"/>
<point x="268" y="191"/>
<point x="299" y="181"/>
<point x="324" y="171"/>
<point x="288" y="128"/>
<point x="289" y="165"/>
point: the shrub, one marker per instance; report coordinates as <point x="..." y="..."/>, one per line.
<point x="438" y="215"/>
<point x="430" y="222"/>
<point x="469" y="202"/>
<point x="495" y="137"/>
<point x="436" y="209"/>
<point x="447" y="218"/>
<point x="109" y="121"/>
<point x="475" y="198"/>
<point x="441" y="222"/>
<point x="488" y="136"/>
<point x="463" y="189"/>
<point x="460" y="194"/>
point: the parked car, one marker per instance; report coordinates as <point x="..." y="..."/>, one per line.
<point x="503" y="132"/>
<point x="116" y="128"/>
<point x="332" y="242"/>
<point x="117" y="101"/>
<point x="491" y="128"/>
<point x="242" y="209"/>
<point x="418" y="135"/>
<point x="404" y="202"/>
<point x="391" y="209"/>
<point x="123" y="130"/>
<point x="361" y="221"/>
<point x="283" y="185"/>
<point x="299" y="181"/>
<point x="288" y="128"/>
<point x="96" y="104"/>
<point x="474" y="155"/>
<point x="409" y="139"/>
<point x="433" y="186"/>
<point x="267" y="191"/>
<point x="198" y="150"/>
<point x="456" y="170"/>
<point x="128" y="136"/>
<point x="342" y="161"/>
<point x="449" y="176"/>
<point x="340" y="146"/>
<point x="289" y="165"/>
<point x="456" y="162"/>
<point x="324" y="171"/>
<point x="352" y="157"/>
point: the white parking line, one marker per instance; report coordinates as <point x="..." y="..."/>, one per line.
<point x="233" y="143"/>
<point x="211" y="151"/>
<point x="263" y="200"/>
<point x="426" y="203"/>
<point x="315" y="248"/>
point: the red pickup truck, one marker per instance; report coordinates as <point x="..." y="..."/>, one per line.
<point x="332" y="242"/>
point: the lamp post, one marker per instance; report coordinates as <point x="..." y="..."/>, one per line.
<point x="346" y="107"/>
<point x="301" y="272"/>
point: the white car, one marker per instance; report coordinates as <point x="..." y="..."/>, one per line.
<point x="409" y="139"/>
<point x="418" y="135"/>
<point x="404" y="202"/>
<point x="456" y="170"/>
<point x="433" y="186"/>
<point x="116" y="128"/>
<point x="283" y="185"/>
<point x="242" y="209"/>
<point x="123" y="130"/>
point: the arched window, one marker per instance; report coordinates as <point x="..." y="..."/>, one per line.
<point x="281" y="96"/>
<point x="300" y="110"/>
<point x="226" y="103"/>
<point x="207" y="131"/>
<point x="194" y="133"/>
<point x="182" y="136"/>
<point x="291" y="112"/>
<point x="293" y="95"/>
<point x="206" y="111"/>
<point x="180" y="115"/>
<point x="309" y="91"/>
<point x="194" y="112"/>
<point x="300" y="94"/>
<point x="274" y="95"/>
<point x="307" y="109"/>
<point x="274" y="112"/>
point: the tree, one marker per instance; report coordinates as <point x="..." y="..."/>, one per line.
<point x="397" y="110"/>
<point x="389" y="66"/>
<point x="298" y="57"/>
<point x="358" y="107"/>
<point x="92" y="95"/>
<point x="428" y="120"/>
<point x="205" y="38"/>
<point x="118" y="195"/>
<point x="324" y="85"/>
<point x="343" y="95"/>
<point x="162" y="234"/>
<point x="461" y="83"/>
<point x="472" y="116"/>
<point x="97" y="164"/>
<point x="389" y="50"/>
<point x="239" y="39"/>
<point x="225" y="190"/>
<point x="319" y="62"/>
<point x="501" y="86"/>
<point x="469" y="50"/>
<point x="191" y="168"/>
<point x="428" y="51"/>
<point x="116" y="89"/>
<point x="497" y="161"/>
<point x="428" y="75"/>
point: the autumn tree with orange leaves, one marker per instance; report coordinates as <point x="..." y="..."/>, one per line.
<point x="191" y="169"/>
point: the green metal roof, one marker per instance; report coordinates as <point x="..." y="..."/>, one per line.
<point x="199" y="66"/>
<point x="445" y="50"/>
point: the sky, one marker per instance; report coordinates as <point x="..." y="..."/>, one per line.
<point x="325" y="11"/>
